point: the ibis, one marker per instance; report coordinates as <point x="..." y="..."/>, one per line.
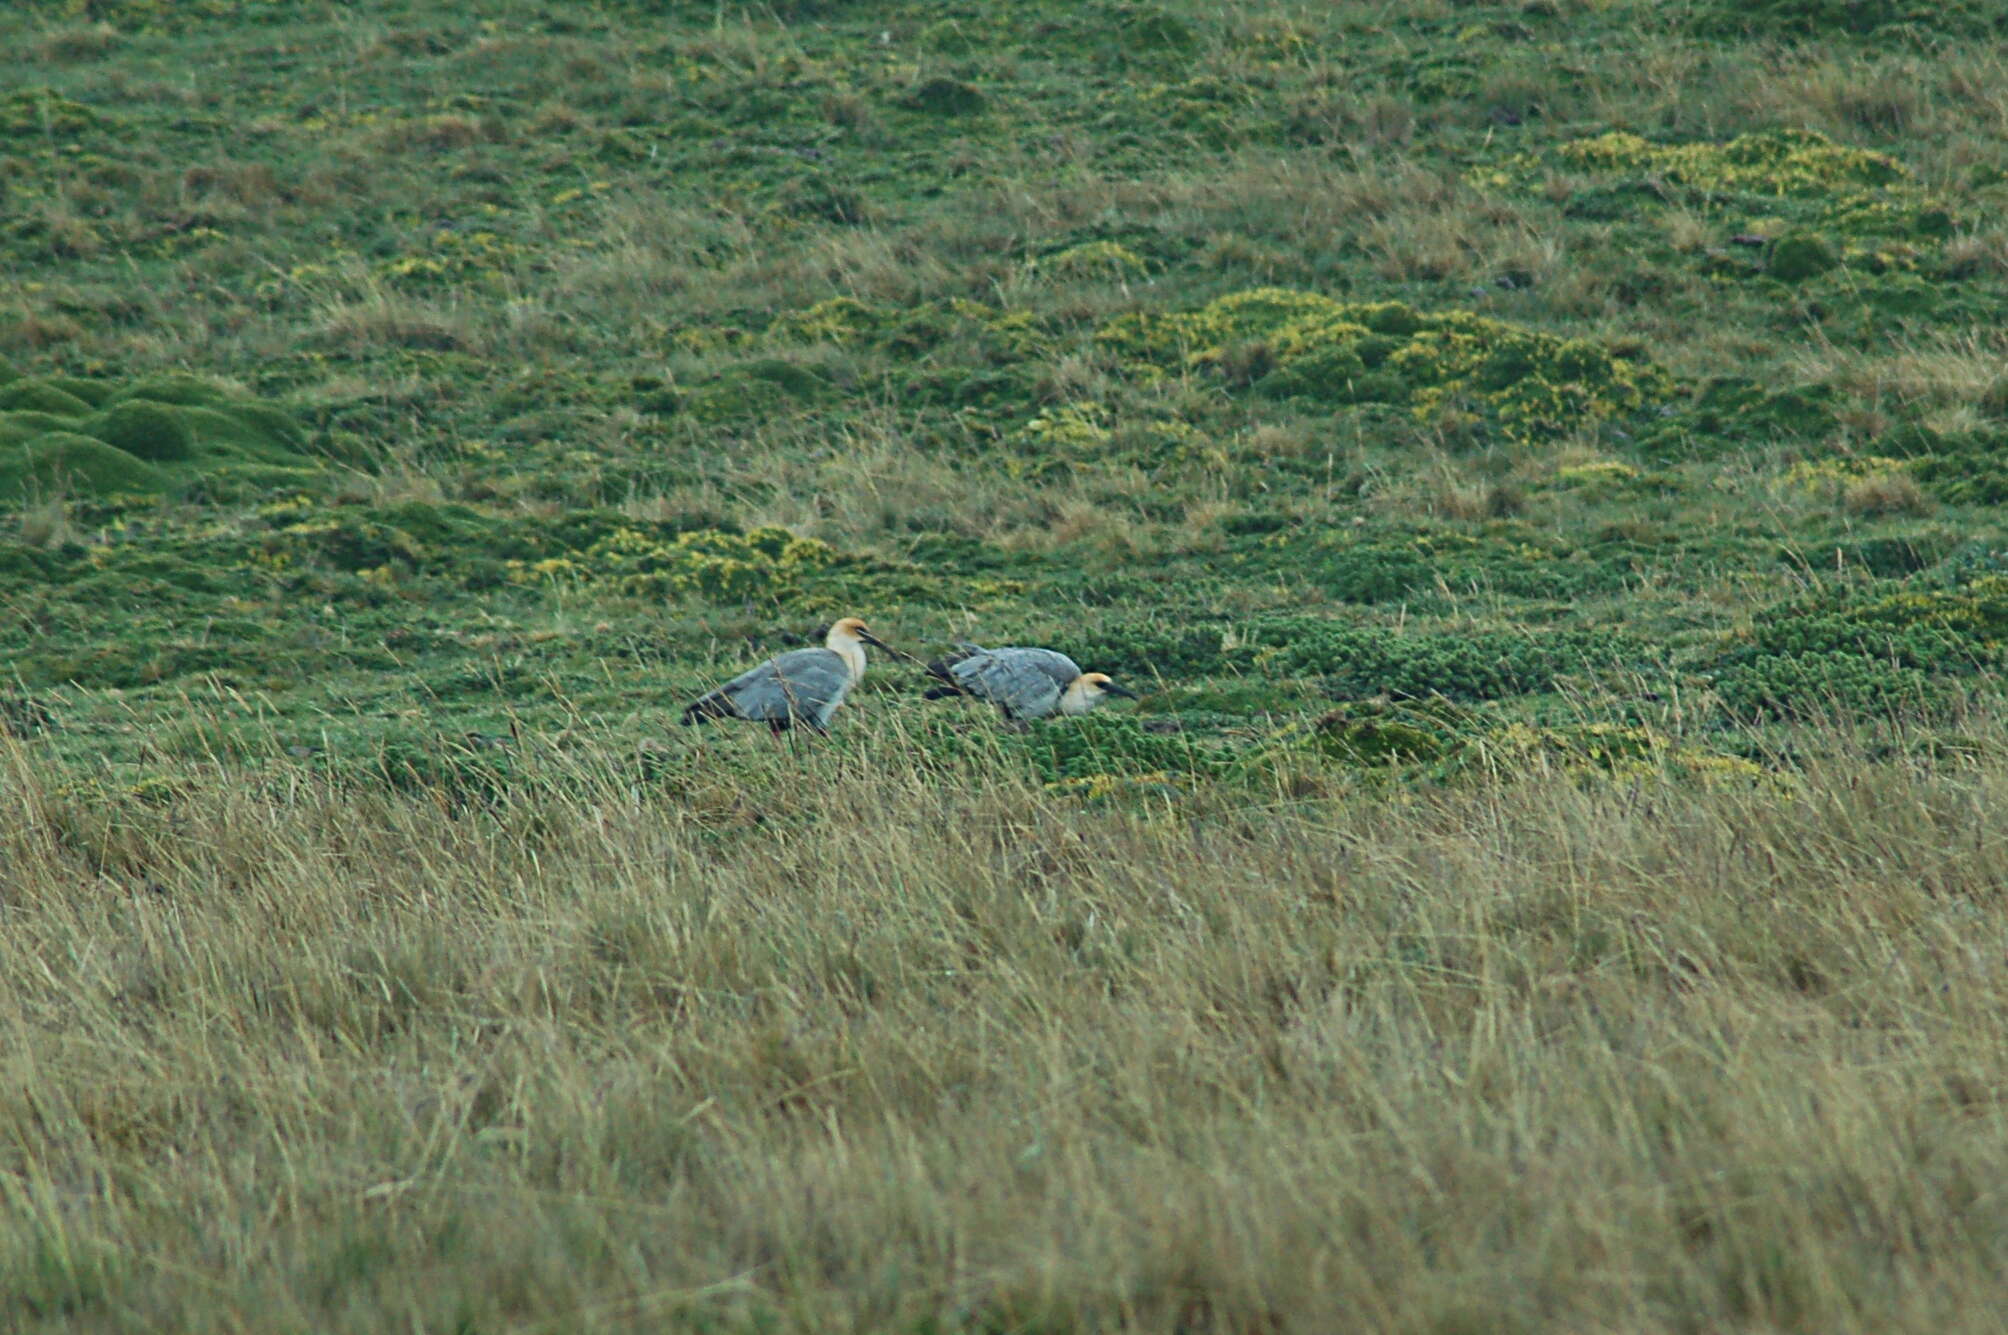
<point x="1024" y="683"/>
<point x="802" y="686"/>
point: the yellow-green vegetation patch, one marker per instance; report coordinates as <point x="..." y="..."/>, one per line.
<point x="1795" y="203"/>
<point x="86" y="437"/>
<point x="1613" y="750"/>
<point x="1830" y="477"/>
<point x="1293" y="344"/>
<point x="996" y="332"/>
<point x="1091" y="260"/>
<point x="29" y="114"/>
<point x="446" y="256"/>
<point x="1066" y="434"/>
<point x="1801" y="163"/>
<point x="763" y="564"/>
<point x="1597" y="476"/>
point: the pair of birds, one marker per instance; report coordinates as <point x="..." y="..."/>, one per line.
<point x="805" y="686"/>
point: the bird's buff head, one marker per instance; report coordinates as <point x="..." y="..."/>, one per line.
<point x="852" y="630"/>
<point x="1098" y="684"/>
<point x="1090" y="689"/>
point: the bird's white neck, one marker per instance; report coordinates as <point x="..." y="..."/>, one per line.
<point x="849" y="648"/>
<point x="1077" y="698"/>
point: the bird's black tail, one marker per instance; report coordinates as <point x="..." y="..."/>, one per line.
<point x="711" y="706"/>
<point x="945" y="683"/>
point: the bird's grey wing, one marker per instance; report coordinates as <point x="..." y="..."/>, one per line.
<point x="1026" y="682"/>
<point x="1051" y="662"/>
<point x="808" y="683"/>
<point x="803" y="683"/>
<point x="753" y="694"/>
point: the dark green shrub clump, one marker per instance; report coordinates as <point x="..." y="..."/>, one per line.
<point x="1863" y="654"/>
<point x="1111" y="745"/>
<point x="1459" y="665"/>
<point x="942" y="96"/>
<point x="1149" y="651"/>
<point x="1801" y="256"/>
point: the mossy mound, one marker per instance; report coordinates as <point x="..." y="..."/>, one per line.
<point x="598" y="550"/>
<point x="147" y="430"/>
<point x="40" y="396"/>
<point x="67" y="462"/>
<point x="93" y="391"/>
<point x="1854" y="306"/>
<point x="1094" y="260"/>
<point x="1292" y="344"/>
<point x="159" y="434"/>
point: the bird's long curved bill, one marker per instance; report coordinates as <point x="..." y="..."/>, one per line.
<point x="1112" y="689"/>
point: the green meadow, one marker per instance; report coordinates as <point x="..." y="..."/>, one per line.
<point x="1540" y="465"/>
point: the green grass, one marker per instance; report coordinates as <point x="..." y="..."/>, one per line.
<point x="1587" y="418"/>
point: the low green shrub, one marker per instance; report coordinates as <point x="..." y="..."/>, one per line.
<point x="1856" y="652"/>
<point x="1354" y="661"/>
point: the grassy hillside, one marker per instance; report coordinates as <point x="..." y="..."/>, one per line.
<point x="1540" y="464"/>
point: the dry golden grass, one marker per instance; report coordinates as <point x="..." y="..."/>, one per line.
<point x="1881" y="494"/>
<point x="1957" y="369"/>
<point x="841" y="1043"/>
